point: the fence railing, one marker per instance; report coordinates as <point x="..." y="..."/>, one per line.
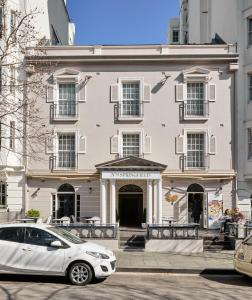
<point x="178" y="231"/>
<point x="195" y="162"/>
<point x="64" y="110"/>
<point x="129" y="110"/>
<point x="93" y="231"/>
<point x="194" y="109"/>
<point x="64" y="161"/>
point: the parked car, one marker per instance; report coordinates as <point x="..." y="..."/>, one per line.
<point x="243" y="257"/>
<point x="43" y="249"/>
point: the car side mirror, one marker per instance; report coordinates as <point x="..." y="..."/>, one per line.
<point x="56" y="244"/>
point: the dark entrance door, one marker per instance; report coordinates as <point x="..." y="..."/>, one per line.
<point x="130" y="209"/>
<point x="66" y="205"/>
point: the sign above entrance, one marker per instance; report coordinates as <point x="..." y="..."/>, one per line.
<point x="131" y="175"/>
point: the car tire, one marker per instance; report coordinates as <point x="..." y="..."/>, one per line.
<point x="80" y="273"/>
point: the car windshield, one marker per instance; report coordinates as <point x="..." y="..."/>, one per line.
<point x="67" y="235"/>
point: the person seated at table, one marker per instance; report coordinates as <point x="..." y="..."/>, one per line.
<point x="237" y="216"/>
<point x="227" y="217"/>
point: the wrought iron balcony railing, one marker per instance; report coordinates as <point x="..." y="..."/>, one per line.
<point x="195" y="109"/>
<point x="196" y="161"/>
<point x="64" y="160"/>
<point x="64" y="110"/>
<point x="129" y="110"/>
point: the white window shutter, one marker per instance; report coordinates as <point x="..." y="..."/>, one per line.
<point x="114" y="144"/>
<point x="180" y="92"/>
<point x="212" y="92"/>
<point x="180" y="144"/>
<point x="50" y="93"/>
<point x="146" y="93"/>
<point x="82" y="144"/>
<point x="81" y="91"/>
<point x="147" y="145"/>
<point x="212" y="144"/>
<point x="114" y="93"/>
<point x="49" y="144"/>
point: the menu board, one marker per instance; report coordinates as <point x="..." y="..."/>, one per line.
<point x="215" y="210"/>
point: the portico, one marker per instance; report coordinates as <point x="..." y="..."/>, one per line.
<point x="134" y="170"/>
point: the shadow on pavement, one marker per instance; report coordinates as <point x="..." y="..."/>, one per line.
<point x="34" y="278"/>
<point x="235" y="280"/>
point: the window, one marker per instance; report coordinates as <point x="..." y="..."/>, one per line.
<point x="175" y="36"/>
<point x="12" y="135"/>
<point x="131" y="145"/>
<point x="12" y="79"/>
<point x="2" y="194"/>
<point x="1" y="133"/>
<point x="12" y="21"/>
<point x="195" y="150"/>
<point x="130" y="99"/>
<point x="195" y="99"/>
<point x="35" y="236"/>
<point x="1" y="22"/>
<point x="66" y="151"/>
<point x="249" y="31"/>
<point x="249" y="87"/>
<point x="67" y="99"/>
<point x="249" y="143"/>
<point x="11" y="234"/>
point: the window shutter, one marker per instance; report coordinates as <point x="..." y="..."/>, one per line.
<point x="212" y="144"/>
<point x="50" y="92"/>
<point x="146" y="93"/>
<point x="180" y="92"/>
<point x="147" y="145"/>
<point x="82" y="144"/>
<point x="211" y="92"/>
<point x="81" y="91"/>
<point x="50" y="144"/>
<point x="180" y="144"/>
<point x="114" y="144"/>
<point x="114" y="93"/>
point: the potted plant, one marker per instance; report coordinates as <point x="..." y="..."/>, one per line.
<point x="33" y="214"/>
<point x="143" y="224"/>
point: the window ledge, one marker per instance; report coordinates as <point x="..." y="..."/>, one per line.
<point x="199" y="118"/>
<point x="130" y="118"/>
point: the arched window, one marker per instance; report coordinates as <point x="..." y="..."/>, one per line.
<point x="3" y="194"/>
<point x="66" y="188"/>
<point x="130" y="188"/>
<point x="195" y="188"/>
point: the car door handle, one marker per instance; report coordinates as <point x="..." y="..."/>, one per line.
<point x="26" y="249"/>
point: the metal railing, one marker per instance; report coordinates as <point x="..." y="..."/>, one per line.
<point x="64" y="161"/>
<point x="178" y="231"/>
<point x="195" y="109"/>
<point x="200" y="161"/>
<point x="92" y="231"/>
<point x="129" y="110"/>
<point x="64" y="110"/>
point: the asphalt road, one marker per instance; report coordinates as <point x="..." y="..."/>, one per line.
<point x="128" y="286"/>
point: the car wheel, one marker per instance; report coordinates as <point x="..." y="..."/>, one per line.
<point x="80" y="273"/>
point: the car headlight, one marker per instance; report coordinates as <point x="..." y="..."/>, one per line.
<point x="98" y="255"/>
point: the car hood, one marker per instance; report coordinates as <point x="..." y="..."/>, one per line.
<point x="89" y="246"/>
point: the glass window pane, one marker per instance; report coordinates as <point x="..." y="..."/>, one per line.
<point x="66" y="151"/>
<point x="195" y="99"/>
<point x="130" y="99"/>
<point x="195" y="150"/>
<point x="131" y="145"/>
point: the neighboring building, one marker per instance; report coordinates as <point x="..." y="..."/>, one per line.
<point x="228" y="21"/>
<point x="52" y="23"/>
<point x="135" y="128"/>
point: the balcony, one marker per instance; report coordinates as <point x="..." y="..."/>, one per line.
<point x="64" y="160"/>
<point x="194" y="110"/>
<point x="198" y="161"/>
<point x="64" y="111"/>
<point x="129" y="111"/>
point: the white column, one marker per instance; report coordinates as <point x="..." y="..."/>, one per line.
<point x="149" y="201"/>
<point x="159" y="202"/>
<point x="112" y="202"/>
<point x="103" y="200"/>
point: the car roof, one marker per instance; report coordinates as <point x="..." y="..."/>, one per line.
<point x="3" y="225"/>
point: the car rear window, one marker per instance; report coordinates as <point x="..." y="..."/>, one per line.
<point x="11" y="234"/>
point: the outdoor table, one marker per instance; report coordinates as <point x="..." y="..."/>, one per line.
<point x="92" y="220"/>
<point x="60" y="221"/>
<point x="170" y="220"/>
<point x="26" y="220"/>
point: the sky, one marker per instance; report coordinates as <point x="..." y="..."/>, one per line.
<point x="106" y="22"/>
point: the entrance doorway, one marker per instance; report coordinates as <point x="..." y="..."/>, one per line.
<point x="66" y="201"/>
<point x="130" y="206"/>
<point x="195" y="200"/>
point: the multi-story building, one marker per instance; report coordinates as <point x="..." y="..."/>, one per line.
<point x="135" y="129"/>
<point x="227" y="21"/>
<point x="52" y="24"/>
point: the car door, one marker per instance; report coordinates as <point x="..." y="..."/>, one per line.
<point x="11" y="253"/>
<point x="247" y="250"/>
<point x="40" y="257"/>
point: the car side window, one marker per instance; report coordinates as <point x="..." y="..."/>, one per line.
<point x="11" y="234"/>
<point x="36" y="236"/>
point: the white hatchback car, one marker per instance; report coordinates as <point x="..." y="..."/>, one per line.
<point x="47" y="250"/>
<point x="243" y="257"/>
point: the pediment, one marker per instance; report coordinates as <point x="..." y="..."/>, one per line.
<point x="66" y="72"/>
<point x="196" y="71"/>
<point x="131" y="163"/>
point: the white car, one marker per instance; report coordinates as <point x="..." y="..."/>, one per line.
<point x="47" y="250"/>
<point x="243" y="257"/>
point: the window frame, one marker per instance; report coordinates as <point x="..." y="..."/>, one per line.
<point x="249" y="87"/>
<point x="173" y="32"/>
<point x="44" y="231"/>
<point x="72" y="133"/>
<point x="20" y="238"/>
<point x="121" y="132"/>
<point x="249" y="19"/>
<point x="3" y="196"/>
<point x="12" y="131"/>
<point x="249" y="138"/>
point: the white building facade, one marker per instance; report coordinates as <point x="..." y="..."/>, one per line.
<point x="227" y="21"/>
<point x="139" y="134"/>
<point x="52" y="23"/>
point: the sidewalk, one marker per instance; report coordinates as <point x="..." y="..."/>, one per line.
<point x="209" y="262"/>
